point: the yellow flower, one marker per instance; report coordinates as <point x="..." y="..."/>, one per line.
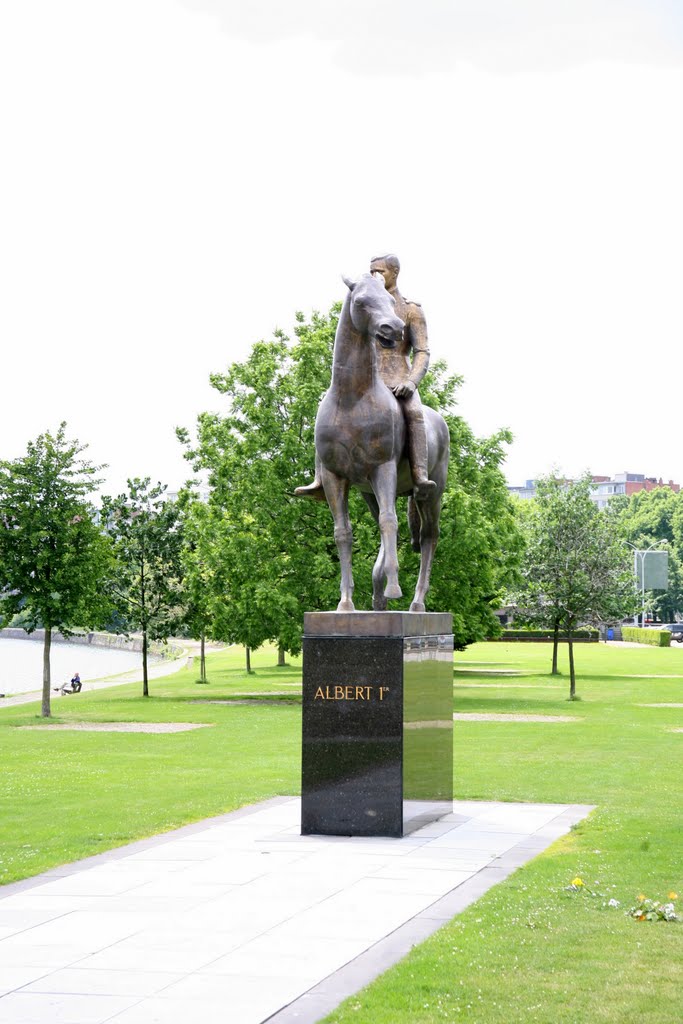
<point x="641" y="898"/>
<point x="673" y="895"/>
<point x="578" y="882"/>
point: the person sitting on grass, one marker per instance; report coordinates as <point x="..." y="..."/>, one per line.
<point x="73" y="686"/>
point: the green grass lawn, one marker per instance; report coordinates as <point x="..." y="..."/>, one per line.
<point x="67" y="795"/>
<point x="529" y="950"/>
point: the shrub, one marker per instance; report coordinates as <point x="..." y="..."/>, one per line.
<point x="545" y="635"/>
<point x="654" y="637"/>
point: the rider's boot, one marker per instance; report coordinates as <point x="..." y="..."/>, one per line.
<point x="423" y="487"/>
<point x="314" y="489"/>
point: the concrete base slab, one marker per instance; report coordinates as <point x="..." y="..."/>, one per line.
<point x="240" y="915"/>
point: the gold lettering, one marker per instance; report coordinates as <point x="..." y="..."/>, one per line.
<point x="349" y="692"/>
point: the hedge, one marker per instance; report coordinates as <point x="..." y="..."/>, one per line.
<point x="546" y="636"/>
<point x="654" y="637"/>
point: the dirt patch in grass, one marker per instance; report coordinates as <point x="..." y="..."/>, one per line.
<point x="473" y="717"/>
<point x="122" y="726"/>
<point x="291" y="699"/>
<point x="487" y="671"/>
<point x="659" y="705"/>
<point x="504" y="686"/>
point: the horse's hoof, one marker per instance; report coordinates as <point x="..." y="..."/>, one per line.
<point x="346" y="606"/>
<point x="417" y="606"/>
<point x="392" y="591"/>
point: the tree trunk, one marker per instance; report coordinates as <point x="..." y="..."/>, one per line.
<point x="556" y="643"/>
<point x="143" y="602"/>
<point x="572" y="676"/>
<point x="202" y="658"/>
<point x="45" y="709"/>
<point x="248" y="653"/>
<point x="281" y="657"/>
<point x="145" y="680"/>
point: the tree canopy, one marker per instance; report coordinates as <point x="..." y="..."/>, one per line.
<point x="147" y="541"/>
<point x="654" y="519"/>
<point x="54" y="561"/>
<point x="273" y="555"/>
<point x="576" y="569"/>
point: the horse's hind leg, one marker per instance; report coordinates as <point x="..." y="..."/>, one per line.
<point x="379" y="601"/>
<point x="429" y="512"/>
<point x="414" y="523"/>
<point x="337" y="494"/>
<point x="384" y="485"/>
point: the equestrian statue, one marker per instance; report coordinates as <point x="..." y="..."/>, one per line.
<point x="373" y="433"/>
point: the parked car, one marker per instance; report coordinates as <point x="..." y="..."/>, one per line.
<point x="676" y="630"/>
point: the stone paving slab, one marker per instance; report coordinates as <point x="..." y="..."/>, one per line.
<point x="240" y="918"/>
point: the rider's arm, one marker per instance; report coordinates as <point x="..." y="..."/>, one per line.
<point x="417" y="327"/>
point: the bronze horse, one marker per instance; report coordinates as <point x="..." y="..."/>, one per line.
<point x="360" y="440"/>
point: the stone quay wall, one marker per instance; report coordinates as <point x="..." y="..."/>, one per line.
<point x="114" y="641"/>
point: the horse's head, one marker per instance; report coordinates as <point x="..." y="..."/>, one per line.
<point x="373" y="310"/>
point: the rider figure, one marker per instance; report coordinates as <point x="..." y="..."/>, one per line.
<point x="402" y="378"/>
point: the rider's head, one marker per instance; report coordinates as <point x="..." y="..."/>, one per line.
<point x="388" y="266"/>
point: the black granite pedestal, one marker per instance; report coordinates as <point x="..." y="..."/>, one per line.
<point x="377" y="751"/>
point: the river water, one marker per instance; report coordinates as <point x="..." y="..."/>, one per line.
<point x="21" y="664"/>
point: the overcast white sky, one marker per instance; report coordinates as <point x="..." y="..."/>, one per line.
<point x="179" y="176"/>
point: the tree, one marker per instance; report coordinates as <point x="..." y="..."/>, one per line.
<point x="576" y="569"/>
<point x="196" y="560"/>
<point x="654" y="519"/>
<point x="145" y="530"/>
<point x="480" y="545"/>
<point x="54" y="560"/>
<point x="274" y="554"/>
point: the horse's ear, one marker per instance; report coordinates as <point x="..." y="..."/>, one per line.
<point x="348" y="282"/>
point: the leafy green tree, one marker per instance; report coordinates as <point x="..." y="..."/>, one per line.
<point x="576" y="569"/>
<point x="147" y="539"/>
<point x="274" y="554"/>
<point x="197" y="560"/>
<point x="650" y="519"/>
<point x="54" y="560"/>
<point x="480" y="544"/>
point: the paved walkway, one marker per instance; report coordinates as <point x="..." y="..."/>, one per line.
<point x="156" y="669"/>
<point x="241" y="919"/>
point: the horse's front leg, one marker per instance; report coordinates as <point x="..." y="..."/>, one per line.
<point x="379" y="601"/>
<point x="337" y="494"/>
<point x="383" y="483"/>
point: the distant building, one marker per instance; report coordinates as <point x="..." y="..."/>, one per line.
<point x="526" y="492"/>
<point x="628" y="484"/>
<point x="200" y="492"/>
<point x="605" y="487"/>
